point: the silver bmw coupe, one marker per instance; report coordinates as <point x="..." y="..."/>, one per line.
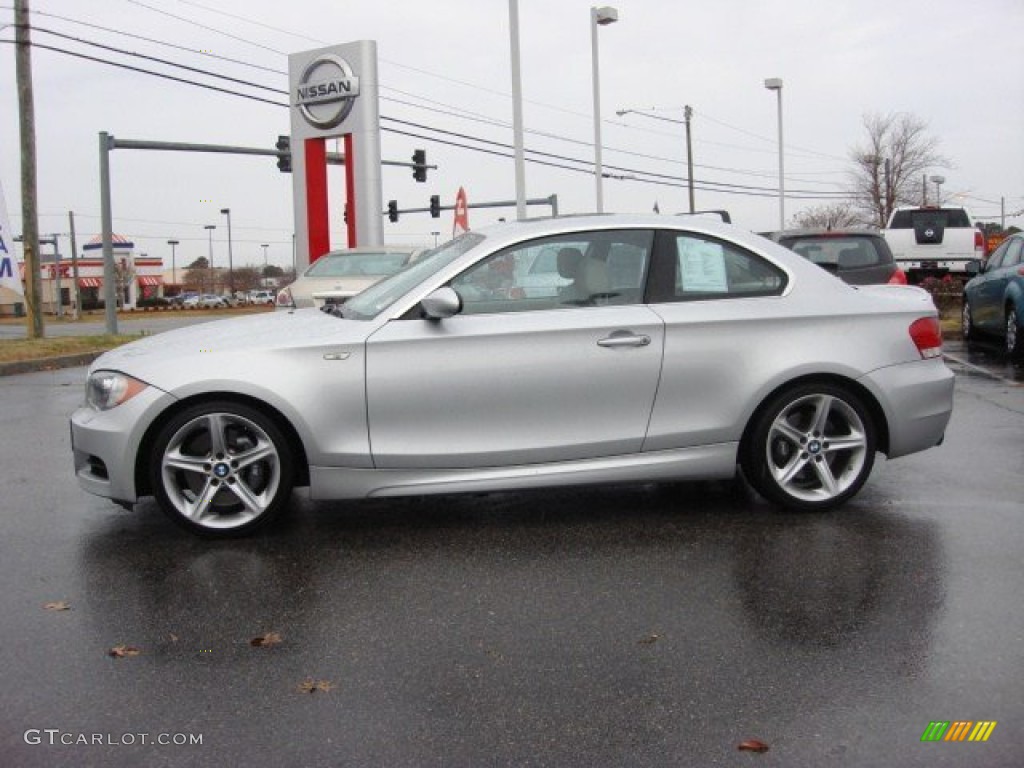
<point x="575" y="350"/>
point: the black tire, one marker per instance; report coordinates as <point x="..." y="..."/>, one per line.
<point x="221" y="469"/>
<point x="967" y="328"/>
<point x="1014" y="335"/>
<point x="811" y="447"/>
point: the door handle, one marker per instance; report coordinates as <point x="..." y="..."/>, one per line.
<point x="624" y="340"/>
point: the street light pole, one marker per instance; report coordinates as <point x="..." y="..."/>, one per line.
<point x="775" y="84"/>
<point x="264" y="246"/>
<point x="599" y="17"/>
<point x="687" y="114"/>
<point x="517" y="110"/>
<point x="231" y="261"/>
<point x="213" y="275"/>
<point x="174" y="265"/>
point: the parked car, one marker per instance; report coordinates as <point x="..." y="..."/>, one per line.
<point x="994" y="298"/>
<point x="707" y="349"/>
<point x="339" y="275"/>
<point x="858" y="256"/>
<point x="204" y="301"/>
<point x="260" y="297"/>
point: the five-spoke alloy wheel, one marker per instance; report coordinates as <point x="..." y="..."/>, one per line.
<point x="811" y="447"/>
<point x="221" y="469"/>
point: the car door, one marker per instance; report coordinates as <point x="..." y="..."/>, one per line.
<point x="987" y="299"/>
<point x="518" y="378"/>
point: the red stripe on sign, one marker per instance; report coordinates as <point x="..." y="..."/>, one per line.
<point x="317" y="221"/>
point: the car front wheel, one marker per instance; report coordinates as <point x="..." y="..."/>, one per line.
<point x="967" y="323"/>
<point x="1014" y="336"/>
<point x="221" y="469"/>
<point x="811" y="447"/>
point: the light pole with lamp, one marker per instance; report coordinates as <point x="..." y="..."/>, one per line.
<point x="174" y="264"/>
<point x="775" y="84"/>
<point x="264" y="246"/>
<point x="938" y="181"/>
<point x="687" y="115"/>
<point x="602" y="16"/>
<point x="231" y="261"/>
<point x="213" y="275"/>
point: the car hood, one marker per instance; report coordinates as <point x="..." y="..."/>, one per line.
<point x="233" y="347"/>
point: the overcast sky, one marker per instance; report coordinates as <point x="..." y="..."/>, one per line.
<point x="445" y="66"/>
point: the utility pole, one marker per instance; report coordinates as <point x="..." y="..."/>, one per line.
<point x="687" y="114"/>
<point x="74" y="268"/>
<point x="29" y="201"/>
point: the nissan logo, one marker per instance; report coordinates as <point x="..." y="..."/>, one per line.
<point x="929" y="232"/>
<point x="327" y="91"/>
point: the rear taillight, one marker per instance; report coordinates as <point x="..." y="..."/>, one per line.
<point x="927" y="335"/>
<point x="899" y="277"/>
<point x="979" y="244"/>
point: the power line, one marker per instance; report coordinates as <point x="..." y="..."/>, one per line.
<point x="650" y="177"/>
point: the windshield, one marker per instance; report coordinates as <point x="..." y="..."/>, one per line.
<point x="377" y="298"/>
<point x="354" y="264"/>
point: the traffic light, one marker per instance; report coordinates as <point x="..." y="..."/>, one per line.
<point x="392" y="210"/>
<point x="284" y="161"/>
<point x="435" y="206"/>
<point x="419" y="161"/>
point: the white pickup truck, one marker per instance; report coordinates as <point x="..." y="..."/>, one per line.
<point x="933" y="241"/>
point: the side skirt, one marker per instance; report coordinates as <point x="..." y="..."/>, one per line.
<point x="706" y="462"/>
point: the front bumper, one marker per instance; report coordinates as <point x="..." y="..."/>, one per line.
<point x="105" y="443"/>
<point x="917" y="399"/>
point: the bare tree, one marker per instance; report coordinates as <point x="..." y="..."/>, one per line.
<point x="888" y="169"/>
<point x="831" y="216"/>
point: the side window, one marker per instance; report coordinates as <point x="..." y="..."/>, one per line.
<point x="995" y="259"/>
<point x="703" y="268"/>
<point x="1013" y="253"/>
<point x="582" y="269"/>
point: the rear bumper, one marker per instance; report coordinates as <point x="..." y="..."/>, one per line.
<point x="917" y="399"/>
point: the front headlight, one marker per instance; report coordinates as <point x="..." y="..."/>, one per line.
<point x="108" y="389"/>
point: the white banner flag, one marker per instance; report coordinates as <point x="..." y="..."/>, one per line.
<point x="9" y="275"/>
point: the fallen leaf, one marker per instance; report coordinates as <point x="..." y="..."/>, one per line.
<point x="59" y="605"/>
<point x="309" y="685"/>
<point x="649" y="640"/>
<point x="752" y="745"/>
<point x="120" y="651"/>
<point x="265" y="641"/>
<point x="172" y="637"/>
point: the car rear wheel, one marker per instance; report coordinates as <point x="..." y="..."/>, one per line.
<point x="1014" y="336"/>
<point x="811" y="447"/>
<point x="221" y="469"/>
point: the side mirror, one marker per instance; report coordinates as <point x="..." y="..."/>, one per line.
<point x="973" y="267"/>
<point x="441" y="304"/>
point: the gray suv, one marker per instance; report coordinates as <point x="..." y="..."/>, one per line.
<point x="857" y="256"/>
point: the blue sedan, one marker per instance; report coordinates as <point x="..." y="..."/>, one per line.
<point x="994" y="298"/>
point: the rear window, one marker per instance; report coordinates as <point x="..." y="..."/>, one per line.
<point x="355" y="264"/>
<point x="945" y="217"/>
<point x="856" y="252"/>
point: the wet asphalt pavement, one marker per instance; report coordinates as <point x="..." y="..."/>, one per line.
<point x="631" y="626"/>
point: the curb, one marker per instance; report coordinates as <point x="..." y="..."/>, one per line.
<point x="47" y="363"/>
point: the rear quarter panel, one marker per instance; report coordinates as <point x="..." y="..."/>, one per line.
<point x="723" y="358"/>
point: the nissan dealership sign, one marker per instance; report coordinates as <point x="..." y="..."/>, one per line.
<point x="326" y="91"/>
<point x="333" y="94"/>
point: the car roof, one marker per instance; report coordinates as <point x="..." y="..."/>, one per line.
<point x="373" y="249"/>
<point x="823" y="232"/>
